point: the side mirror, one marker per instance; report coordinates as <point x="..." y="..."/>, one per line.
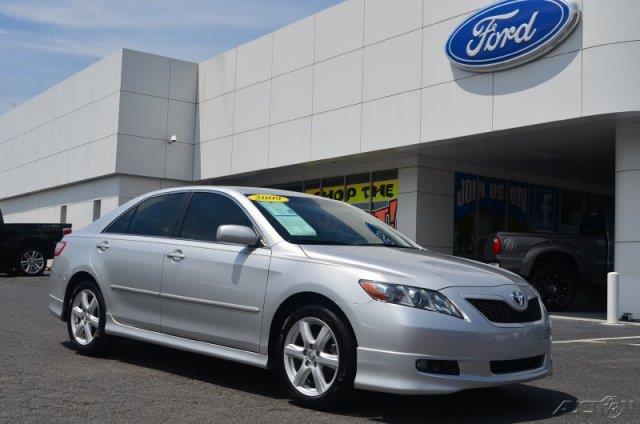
<point x="237" y="234"/>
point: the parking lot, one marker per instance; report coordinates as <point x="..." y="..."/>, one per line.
<point x="43" y="380"/>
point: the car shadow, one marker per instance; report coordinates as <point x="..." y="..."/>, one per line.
<point x="508" y="404"/>
<point x="9" y="276"/>
<point x="515" y="403"/>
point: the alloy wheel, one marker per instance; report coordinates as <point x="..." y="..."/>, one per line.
<point x="311" y="356"/>
<point x="32" y="262"/>
<point x="85" y="317"/>
<point x="553" y="288"/>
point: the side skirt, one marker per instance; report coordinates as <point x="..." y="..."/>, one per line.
<point x="121" y="330"/>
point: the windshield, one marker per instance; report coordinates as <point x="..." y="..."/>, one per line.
<point x="305" y="220"/>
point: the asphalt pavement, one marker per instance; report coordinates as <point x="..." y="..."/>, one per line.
<point x="42" y="379"/>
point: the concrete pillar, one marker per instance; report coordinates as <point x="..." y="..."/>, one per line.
<point x="425" y="207"/>
<point x="627" y="217"/>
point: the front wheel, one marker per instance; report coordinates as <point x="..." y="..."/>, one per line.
<point x="86" y="320"/>
<point x="556" y="283"/>
<point x="316" y="356"/>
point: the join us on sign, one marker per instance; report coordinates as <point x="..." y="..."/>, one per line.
<point x="511" y="33"/>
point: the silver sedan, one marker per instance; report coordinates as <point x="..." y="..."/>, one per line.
<point x="319" y="291"/>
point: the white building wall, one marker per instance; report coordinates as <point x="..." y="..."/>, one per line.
<point x="65" y="135"/>
<point x="371" y="75"/>
<point x="425" y="207"/>
<point x="113" y="118"/>
<point x="157" y="101"/>
<point x="627" y="247"/>
<point x="46" y="206"/>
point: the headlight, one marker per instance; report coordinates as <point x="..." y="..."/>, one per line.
<point x="413" y="297"/>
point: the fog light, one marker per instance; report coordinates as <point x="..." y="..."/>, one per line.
<point x="431" y="366"/>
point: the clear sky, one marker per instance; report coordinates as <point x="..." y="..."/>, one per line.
<point x="44" y="41"/>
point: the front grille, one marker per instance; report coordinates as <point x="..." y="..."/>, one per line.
<point x="501" y="312"/>
<point x="516" y="365"/>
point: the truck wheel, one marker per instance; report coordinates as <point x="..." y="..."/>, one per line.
<point x="556" y="283"/>
<point x="31" y="261"/>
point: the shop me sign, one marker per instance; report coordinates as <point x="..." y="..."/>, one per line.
<point x="510" y="33"/>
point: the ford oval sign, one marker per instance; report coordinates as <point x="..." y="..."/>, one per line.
<point x="511" y="33"/>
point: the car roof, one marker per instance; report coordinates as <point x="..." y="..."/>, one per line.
<point x="241" y="190"/>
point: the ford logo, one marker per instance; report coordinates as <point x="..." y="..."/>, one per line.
<point x="511" y="33"/>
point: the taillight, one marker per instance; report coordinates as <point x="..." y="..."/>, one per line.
<point x="59" y="248"/>
<point x="496" y="246"/>
<point x="66" y="231"/>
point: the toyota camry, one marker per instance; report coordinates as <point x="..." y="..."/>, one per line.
<point x="321" y="292"/>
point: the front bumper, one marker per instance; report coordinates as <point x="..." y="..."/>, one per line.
<point x="394" y="372"/>
<point x="393" y="338"/>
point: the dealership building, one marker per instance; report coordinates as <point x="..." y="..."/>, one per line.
<point x="361" y="103"/>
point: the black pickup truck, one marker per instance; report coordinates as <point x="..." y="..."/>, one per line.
<point x="556" y="264"/>
<point x="25" y="248"/>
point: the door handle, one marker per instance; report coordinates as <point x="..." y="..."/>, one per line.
<point x="176" y="255"/>
<point x="102" y="246"/>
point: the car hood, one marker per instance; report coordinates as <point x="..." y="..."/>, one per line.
<point x="421" y="268"/>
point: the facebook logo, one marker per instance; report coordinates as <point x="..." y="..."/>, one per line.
<point x="545" y="208"/>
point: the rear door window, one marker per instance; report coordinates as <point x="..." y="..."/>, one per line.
<point x="121" y="225"/>
<point x="156" y="216"/>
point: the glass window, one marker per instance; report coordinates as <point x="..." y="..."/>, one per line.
<point x="465" y="211"/>
<point x="297" y="186"/>
<point x="544" y="214"/>
<point x="572" y="210"/>
<point x="333" y="188"/>
<point x="594" y="224"/>
<point x="207" y="212"/>
<point x="384" y="193"/>
<point x="157" y="215"/>
<point x="532" y="208"/>
<point x="304" y="220"/>
<point x="491" y="207"/>
<point x="596" y="203"/>
<point x="312" y="187"/>
<point x="376" y="193"/>
<point x="121" y="225"/>
<point x="358" y="191"/>
<point x="519" y="205"/>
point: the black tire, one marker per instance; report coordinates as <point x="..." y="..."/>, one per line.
<point x="30" y="261"/>
<point x="556" y="283"/>
<point x="100" y="342"/>
<point x="342" y="384"/>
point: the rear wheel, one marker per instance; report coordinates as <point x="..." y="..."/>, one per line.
<point x="316" y="356"/>
<point x="556" y="283"/>
<point x="31" y="261"/>
<point x="86" y="320"/>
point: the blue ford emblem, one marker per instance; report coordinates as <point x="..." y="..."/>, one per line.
<point x="511" y="33"/>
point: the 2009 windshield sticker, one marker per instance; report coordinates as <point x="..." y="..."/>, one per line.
<point x="270" y="198"/>
<point x="289" y="219"/>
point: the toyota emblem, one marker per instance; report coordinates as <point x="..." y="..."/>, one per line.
<point x="518" y="298"/>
